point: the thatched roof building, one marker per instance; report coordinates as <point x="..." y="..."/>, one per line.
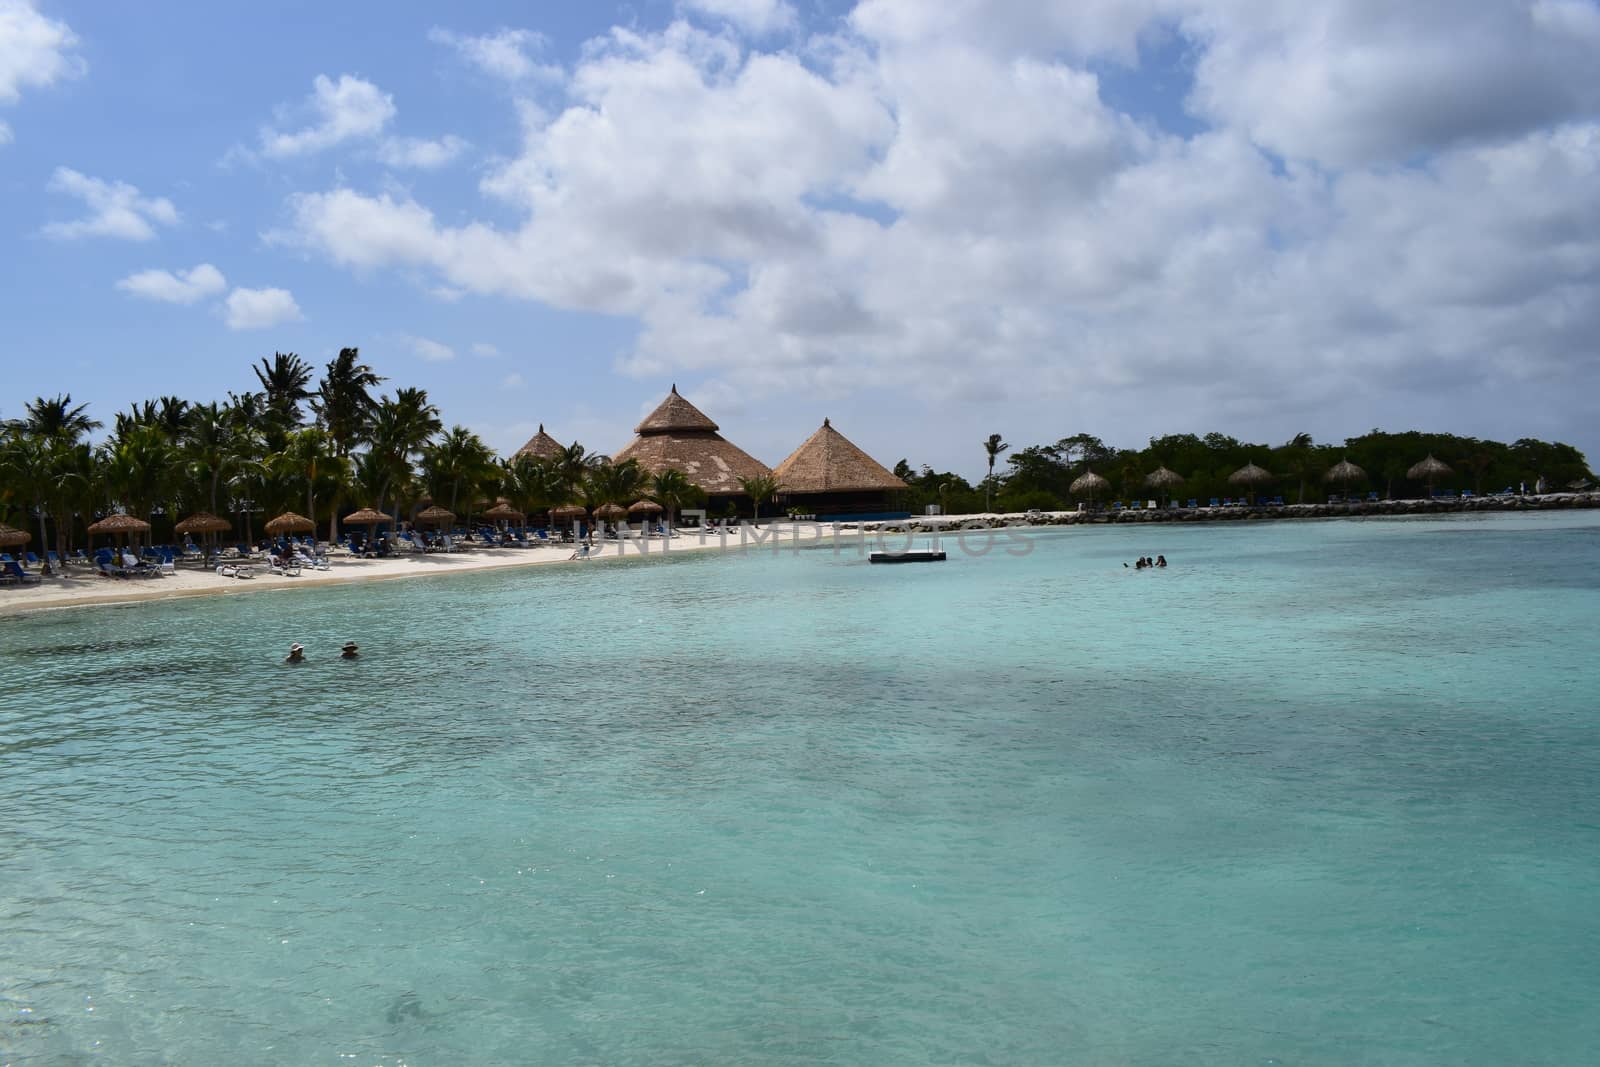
<point x="679" y="436"/>
<point x="829" y="462"/>
<point x="541" y="446"/>
<point x="829" y="474"/>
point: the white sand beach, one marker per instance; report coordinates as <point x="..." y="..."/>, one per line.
<point x="81" y="586"/>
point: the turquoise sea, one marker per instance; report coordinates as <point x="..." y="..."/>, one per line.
<point x="1319" y="793"/>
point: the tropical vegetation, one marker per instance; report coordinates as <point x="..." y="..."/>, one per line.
<point x="320" y="446"/>
<point x="1041" y="476"/>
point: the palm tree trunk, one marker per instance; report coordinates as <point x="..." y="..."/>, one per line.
<point x="44" y="545"/>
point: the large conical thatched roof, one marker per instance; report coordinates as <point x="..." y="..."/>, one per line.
<point x="675" y="413"/>
<point x="678" y="436"/>
<point x="829" y="462"/>
<point x="541" y="446"/>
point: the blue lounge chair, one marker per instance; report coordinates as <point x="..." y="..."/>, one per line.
<point x="14" y="570"/>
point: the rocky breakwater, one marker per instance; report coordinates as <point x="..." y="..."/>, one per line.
<point x="1255" y="513"/>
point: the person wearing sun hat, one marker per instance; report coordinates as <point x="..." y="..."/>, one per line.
<point x="297" y="653"/>
<point x="350" y="650"/>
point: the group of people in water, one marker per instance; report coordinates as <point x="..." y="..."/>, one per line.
<point x="297" y="652"/>
<point x="1146" y="561"/>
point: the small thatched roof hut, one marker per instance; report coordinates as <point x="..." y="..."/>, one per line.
<point x="541" y="446"/>
<point x="679" y="436"/>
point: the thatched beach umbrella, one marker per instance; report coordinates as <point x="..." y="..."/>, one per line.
<point x="568" y="511"/>
<point x="1429" y="470"/>
<point x="368" y="517"/>
<point x="1164" y="479"/>
<point x="290" y="522"/>
<point x="11" y="537"/>
<point x="611" y="513"/>
<point x="207" y="524"/>
<point x="436" y="516"/>
<point x="1089" y="483"/>
<point x="503" y="512"/>
<point x="1250" y="476"/>
<point x="126" y="525"/>
<point x="1344" y="472"/>
<point x="645" y="507"/>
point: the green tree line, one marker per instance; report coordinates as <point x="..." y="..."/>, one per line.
<point x="1041" y="476"/>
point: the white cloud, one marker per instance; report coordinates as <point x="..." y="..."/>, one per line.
<point x="485" y="349"/>
<point x="943" y="194"/>
<point x="503" y="54"/>
<point x="184" y="287"/>
<point x="350" y="108"/>
<point x="258" y="309"/>
<point x="758" y="17"/>
<point x="412" y="152"/>
<point x="35" y="52"/>
<point x="432" y="351"/>
<point x="1370" y="81"/>
<point x="513" y="381"/>
<point x="116" y="209"/>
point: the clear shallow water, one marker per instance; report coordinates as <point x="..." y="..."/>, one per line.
<point x="1319" y="793"/>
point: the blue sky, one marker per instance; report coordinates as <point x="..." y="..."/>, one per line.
<point x="929" y="222"/>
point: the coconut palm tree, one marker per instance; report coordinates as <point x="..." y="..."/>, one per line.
<point x="217" y="444"/>
<point x="614" y="483"/>
<point x="760" y="488"/>
<point x="343" y="404"/>
<point x="533" y="484"/>
<point x="574" y="465"/>
<point x="1298" y="461"/>
<point x="401" y="428"/>
<point x="672" y="489"/>
<point x="284" y="385"/>
<point x="343" y="400"/>
<point x="992" y="447"/>
<point x="57" y="418"/>
<point x="47" y="475"/>
<point x="140" y="469"/>
<point x="309" y="459"/>
<point x="458" y="458"/>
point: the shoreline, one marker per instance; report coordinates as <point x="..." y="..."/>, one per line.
<point x="80" y="587"/>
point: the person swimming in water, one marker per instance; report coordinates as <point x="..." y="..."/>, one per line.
<point x="297" y="653"/>
<point x="351" y="650"/>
